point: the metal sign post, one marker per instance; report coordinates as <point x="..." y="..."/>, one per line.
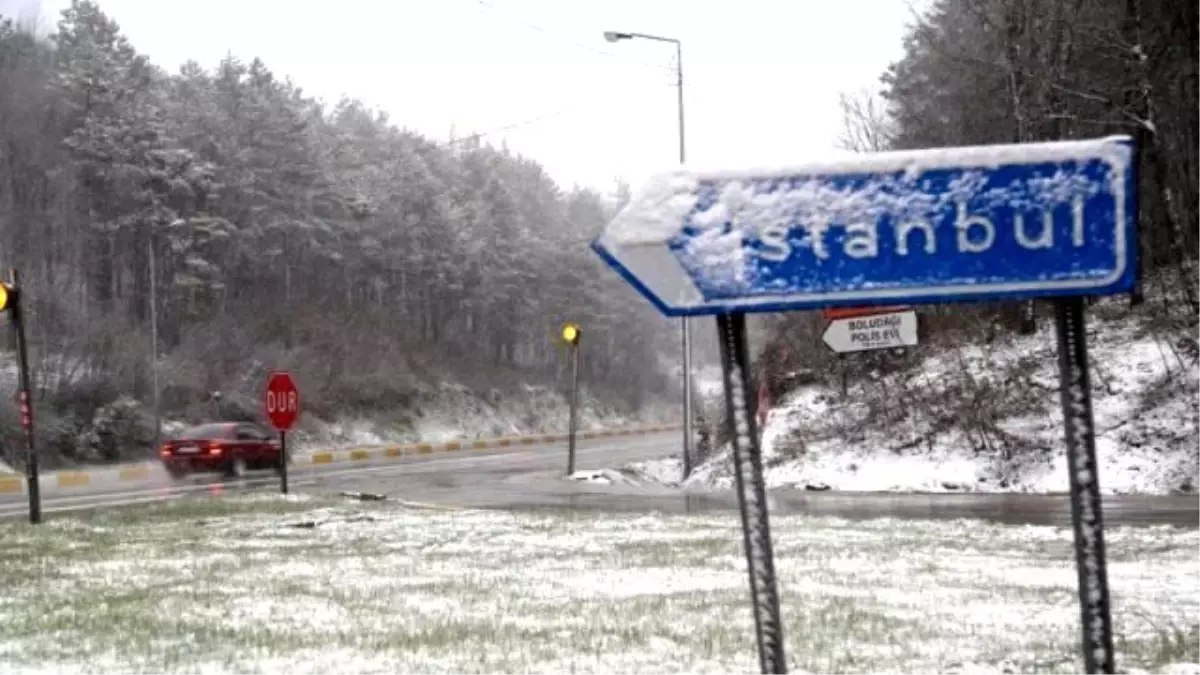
<point x="998" y="222"/>
<point x="1076" y="388"/>
<point x="283" y="462"/>
<point x="752" y="492"/>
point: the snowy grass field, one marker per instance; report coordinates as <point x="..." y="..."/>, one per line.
<point x="313" y="585"/>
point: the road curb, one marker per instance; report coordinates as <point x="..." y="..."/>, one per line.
<point x="78" y="478"/>
<point x="14" y="484"/>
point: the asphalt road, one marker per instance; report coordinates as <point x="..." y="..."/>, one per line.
<point x="411" y="477"/>
<point x="533" y="478"/>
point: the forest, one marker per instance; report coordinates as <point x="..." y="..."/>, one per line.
<point x="228" y="223"/>
<point x="1013" y="71"/>
<point x="241" y="225"/>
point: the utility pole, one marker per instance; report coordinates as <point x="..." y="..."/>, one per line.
<point x="685" y="328"/>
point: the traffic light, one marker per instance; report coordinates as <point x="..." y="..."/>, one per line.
<point x="8" y="297"/>
<point x="570" y="333"/>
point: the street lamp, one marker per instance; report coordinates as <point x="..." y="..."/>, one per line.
<point x="615" y="36"/>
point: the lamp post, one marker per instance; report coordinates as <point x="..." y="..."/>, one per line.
<point x="614" y="36"/>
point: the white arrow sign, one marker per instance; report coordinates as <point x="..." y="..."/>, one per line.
<point x="876" y="331"/>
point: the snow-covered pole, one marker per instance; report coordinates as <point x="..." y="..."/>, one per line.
<point x="752" y="493"/>
<point x="1086" y="514"/>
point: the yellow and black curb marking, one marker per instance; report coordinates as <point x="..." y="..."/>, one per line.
<point x="15" y="484"/>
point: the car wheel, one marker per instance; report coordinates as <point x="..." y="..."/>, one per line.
<point x="177" y="474"/>
<point x="237" y="468"/>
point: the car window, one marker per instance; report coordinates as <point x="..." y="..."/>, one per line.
<point x="248" y="432"/>
<point x="205" y="432"/>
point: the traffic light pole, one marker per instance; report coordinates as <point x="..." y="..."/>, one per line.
<point x="574" y="421"/>
<point x="31" y="458"/>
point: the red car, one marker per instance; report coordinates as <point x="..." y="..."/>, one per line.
<point x="230" y="448"/>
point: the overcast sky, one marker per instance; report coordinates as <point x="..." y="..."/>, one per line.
<point x="761" y="77"/>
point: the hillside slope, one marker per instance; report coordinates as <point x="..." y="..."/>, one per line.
<point x="987" y="418"/>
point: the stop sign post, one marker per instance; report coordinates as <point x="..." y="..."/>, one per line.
<point x="281" y="400"/>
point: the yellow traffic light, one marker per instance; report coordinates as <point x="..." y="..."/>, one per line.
<point x="6" y="297"/>
<point x="570" y="333"/>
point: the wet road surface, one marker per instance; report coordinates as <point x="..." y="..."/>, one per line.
<point x="526" y="483"/>
<point x="533" y="478"/>
<point x="1008" y="509"/>
<point x="463" y="471"/>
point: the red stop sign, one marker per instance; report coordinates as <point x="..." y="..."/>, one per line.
<point x="282" y="400"/>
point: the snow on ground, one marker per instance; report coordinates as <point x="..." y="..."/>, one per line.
<point x="605" y="477"/>
<point x="1145" y="405"/>
<point x="623" y="476"/>
<point x="709" y="383"/>
<point x="665" y="470"/>
<point x="264" y="584"/>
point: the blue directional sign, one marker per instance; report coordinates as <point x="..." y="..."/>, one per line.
<point x="945" y="225"/>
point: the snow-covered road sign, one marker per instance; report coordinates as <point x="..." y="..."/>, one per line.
<point x="877" y="331"/>
<point x="942" y="225"/>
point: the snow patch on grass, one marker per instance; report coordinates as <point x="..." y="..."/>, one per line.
<point x="352" y="587"/>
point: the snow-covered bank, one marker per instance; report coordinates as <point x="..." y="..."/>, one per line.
<point x="916" y="431"/>
<point x="456" y="413"/>
<point x="439" y="413"/>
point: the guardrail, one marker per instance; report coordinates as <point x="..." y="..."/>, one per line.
<point x="15" y="483"/>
